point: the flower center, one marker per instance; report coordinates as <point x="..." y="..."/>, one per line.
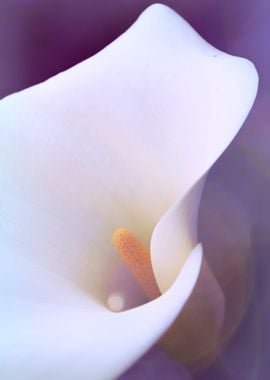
<point x="137" y="259"/>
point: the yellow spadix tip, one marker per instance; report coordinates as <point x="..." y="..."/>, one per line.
<point x="138" y="260"/>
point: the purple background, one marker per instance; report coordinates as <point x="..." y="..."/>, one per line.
<point x="39" y="38"/>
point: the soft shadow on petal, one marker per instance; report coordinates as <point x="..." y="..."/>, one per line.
<point x="174" y="237"/>
<point x="42" y="339"/>
<point x="73" y="153"/>
<point x="193" y="339"/>
<point x="73" y="149"/>
<point x="225" y="227"/>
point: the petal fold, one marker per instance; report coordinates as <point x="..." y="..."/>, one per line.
<point x="114" y="141"/>
<point x="43" y="340"/>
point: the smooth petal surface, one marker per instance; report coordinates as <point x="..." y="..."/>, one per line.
<point x="114" y="141"/>
<point x="41" y="340"/>
<point x="75" y="149"/>
<point x="193" y="339"/>
<point x="212" y="106"/>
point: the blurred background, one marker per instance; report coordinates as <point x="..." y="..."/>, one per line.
<point x="39" y="38"/>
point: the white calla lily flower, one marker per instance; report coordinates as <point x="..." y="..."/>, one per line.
<point x="115" y="141"/>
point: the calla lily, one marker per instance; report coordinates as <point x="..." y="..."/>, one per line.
<point x="95" y="148"/>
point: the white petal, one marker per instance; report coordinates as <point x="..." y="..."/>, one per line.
<point x="213" y="95"/>
<point x="45" y="341"/>
<point x="175" y="236"/>
<point x="112" y="142"/>
<point x="194" y="337"/>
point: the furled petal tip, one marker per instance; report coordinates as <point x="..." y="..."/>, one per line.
<point x="213" y="96"/>
<point x="114" y="141"/>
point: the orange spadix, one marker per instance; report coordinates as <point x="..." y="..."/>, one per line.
<point x="137" y="259"/>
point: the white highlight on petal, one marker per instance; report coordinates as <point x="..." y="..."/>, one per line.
<point x="114" y="141"/>
<point x="40" y="340"/>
